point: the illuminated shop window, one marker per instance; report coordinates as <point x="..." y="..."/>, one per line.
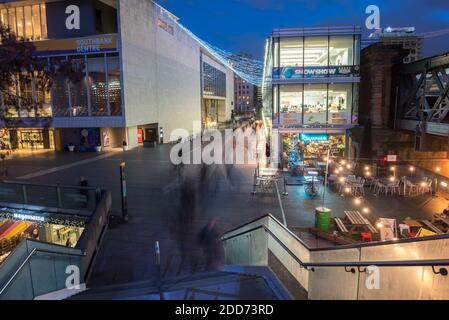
<point x="291" y="52"/>
<point x="114" y="86"/>
<point x="78" y="90"/>
<point x="27" y="22"/>
<point x="315" y="104"/>
<point x="340" y="103"/>
<point x="291" y="97"/>
<point x="60" y="93"/>
<point x="315" y="51"/>
<point x="97" y="84"/>
<point x="341" y="50"/>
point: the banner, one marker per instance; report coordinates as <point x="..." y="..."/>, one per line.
<point x="315" y="72"/>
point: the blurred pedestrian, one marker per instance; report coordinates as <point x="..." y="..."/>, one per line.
<point x="209" y="239"/>
<point x="84" y="183"/>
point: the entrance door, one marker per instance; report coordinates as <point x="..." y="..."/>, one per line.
<point x="31" y="139"/>
<point x="139" y="136"/>
<point x="150" y="134"/>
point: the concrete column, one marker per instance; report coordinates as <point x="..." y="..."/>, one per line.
<point x="132" y="139"/>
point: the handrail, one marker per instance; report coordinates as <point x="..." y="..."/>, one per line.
<point x="307" y="265"/>
<point x="29" y="257"/>
<point x="346" y="246"/>
<point x="17" y="271"/>
<point x="48" y="185"/>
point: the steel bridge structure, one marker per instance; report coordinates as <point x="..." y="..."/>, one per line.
<point x="423" y="95"/>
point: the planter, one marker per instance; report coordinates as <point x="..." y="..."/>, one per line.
<point x="71" y="148"/>
<point x="98" y="148"/>
<point x="125" y="148"/>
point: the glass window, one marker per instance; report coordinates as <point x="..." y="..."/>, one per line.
<point x="291" y="105"/>
<point x="97" y="84"/>
<point x="276" y="52"/>
<point x="44" y="21"/>
<point x="29" y="23"/>
<point x="357" y="50"/>
<point x="43" y="98"/>
<point x="341" y="50"/>
<point x="355" y="104"/>
<point x="12" y="19"/>
<point x="36" y="22"/>
<point x="315" y="52"/>
<point x="20" y="23"/>
<point x="315" y="104"/>
<point x="275" y="105"/>
<point x="340" y="103"/>
<point x="60" y="93"/>
<point x="291" y="52"/>
<point x="114" y="86"/>
<point x="78" y="90"/>
<point x="4" y="17"/>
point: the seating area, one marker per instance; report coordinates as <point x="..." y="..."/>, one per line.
<point x="345" y="182"/>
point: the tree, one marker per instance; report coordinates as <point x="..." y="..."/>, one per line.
<point x="21" y="68"/>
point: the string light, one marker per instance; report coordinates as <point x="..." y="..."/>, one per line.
<point x="250" y="70"/>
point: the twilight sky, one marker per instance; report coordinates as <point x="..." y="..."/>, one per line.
<point x="243" y="25"/>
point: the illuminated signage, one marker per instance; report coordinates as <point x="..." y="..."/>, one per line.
<point x="26" y="217"/>
<point x="310" y="137"/>
<point x="103" y="43"/>
<point x="315" y="72"/>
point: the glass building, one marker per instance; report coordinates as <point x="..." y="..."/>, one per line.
<point x="311" y="84"/>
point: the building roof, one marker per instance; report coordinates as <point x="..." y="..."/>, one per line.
<point x="295" y="32"/>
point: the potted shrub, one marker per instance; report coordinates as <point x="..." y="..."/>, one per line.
<point x="98" y="147"/>
<point x="71" y="147"/>
<point x="125" y="146"/>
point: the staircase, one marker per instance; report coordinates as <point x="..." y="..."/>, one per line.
<point x="235" y="283"/>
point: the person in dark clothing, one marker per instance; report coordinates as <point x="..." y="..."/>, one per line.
<point x="209" y="239"/>
<point x="84" y="193"/>
<point x="186" y="216"/>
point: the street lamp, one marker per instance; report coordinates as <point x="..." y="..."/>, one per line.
<point x="412" y="170"/>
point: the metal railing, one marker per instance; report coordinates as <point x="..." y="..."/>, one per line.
<point x="27" y="259"/>
<point x="312" y="265"/>
<point x="50" y="196"/>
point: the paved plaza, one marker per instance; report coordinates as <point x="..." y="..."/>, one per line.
<point x="128" y="251"/>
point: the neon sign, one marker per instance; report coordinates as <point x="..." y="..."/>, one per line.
<point x="310" y="137"/>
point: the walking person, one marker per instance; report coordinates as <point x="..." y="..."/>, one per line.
<point x="209" y="240"/>
<point x="84" y="183"/>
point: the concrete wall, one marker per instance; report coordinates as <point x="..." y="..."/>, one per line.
<point x="334" y="283"/>
<point x="161" y="71"/>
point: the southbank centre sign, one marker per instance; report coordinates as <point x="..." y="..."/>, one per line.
<point x="96" y="44"/>
<point x="315" y="72"/>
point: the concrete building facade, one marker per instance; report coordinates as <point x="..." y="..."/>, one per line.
<point x="144" y="75"/>
<point x="312" y="98"/>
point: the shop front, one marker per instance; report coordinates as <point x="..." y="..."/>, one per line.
<point x="28" y="138"/>
<point x="17" y="225"/>
<point x="213" y="112"/>
<point x="304" y="149"/>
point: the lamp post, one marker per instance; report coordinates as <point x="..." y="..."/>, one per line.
<point x="124" y="192"/>
<point x="438" y="170"/>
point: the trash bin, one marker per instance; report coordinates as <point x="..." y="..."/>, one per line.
<point x="323" y="218"/>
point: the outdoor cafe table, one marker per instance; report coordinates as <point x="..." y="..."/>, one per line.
<point x="357" y="220"/>
<point x="268" y="176"/>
